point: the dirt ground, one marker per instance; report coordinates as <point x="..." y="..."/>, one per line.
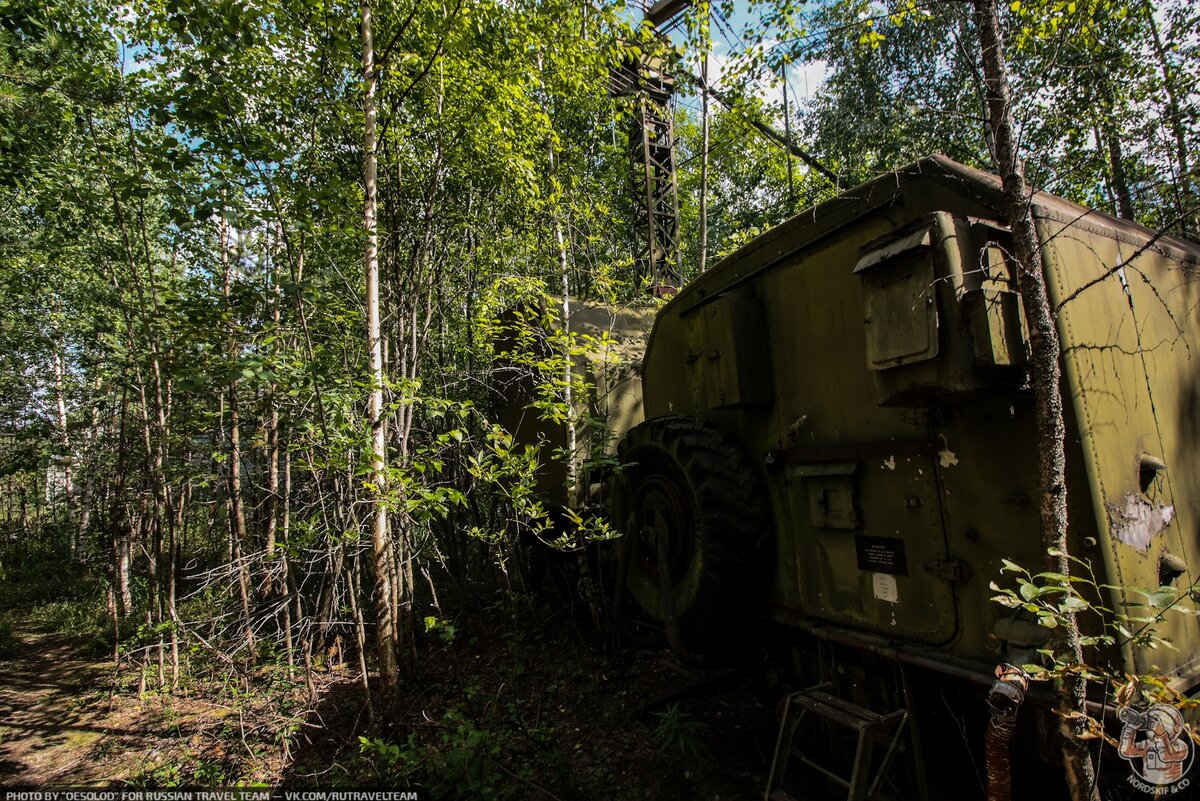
<point x="490" y="715"/>
<point x="51" y="715"/>
<point x="497" y="712"/>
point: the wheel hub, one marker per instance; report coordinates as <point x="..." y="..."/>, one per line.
<point x="662" y="511"/>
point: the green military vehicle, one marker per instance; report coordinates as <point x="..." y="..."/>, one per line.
<point x="838" y="437"/>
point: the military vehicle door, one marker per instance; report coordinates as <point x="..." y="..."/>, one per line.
<point x="877" y="555"/>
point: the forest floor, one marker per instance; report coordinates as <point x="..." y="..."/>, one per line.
<point x="495" y="711"/>
<point x="51" y="717"/>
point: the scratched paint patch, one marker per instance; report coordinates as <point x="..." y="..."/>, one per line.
<point x="1134" y="521"/>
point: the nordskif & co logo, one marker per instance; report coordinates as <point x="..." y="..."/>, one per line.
<point x="1156" y="743"/>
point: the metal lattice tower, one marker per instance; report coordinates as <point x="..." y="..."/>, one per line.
<point x="652" y="153"/>
<point x="652" y="170"/>
<point x="652" y="160"/>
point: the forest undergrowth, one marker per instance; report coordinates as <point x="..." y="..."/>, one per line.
<point x="512" y="700"/>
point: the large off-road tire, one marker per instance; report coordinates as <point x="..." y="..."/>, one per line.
<point x="685" y="480"/>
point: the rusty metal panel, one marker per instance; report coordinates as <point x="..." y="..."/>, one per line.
<point x="931" y="523"/>
<point x="901" y="312"/>
<point x="991" y="303"/>
<point x="857" y="543"/>
<point x="1128" y="326"/>
<point x="832" y="501"/>
<point x="987" y="472"/>
<point x="942" y="317"/>
<point x="871" y="540"/>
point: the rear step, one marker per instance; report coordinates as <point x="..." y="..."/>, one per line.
<point x="871" y="727"/>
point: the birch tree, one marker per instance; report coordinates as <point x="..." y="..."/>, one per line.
<point x="1048" y="399"/>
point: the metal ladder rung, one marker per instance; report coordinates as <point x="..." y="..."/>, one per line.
<point x="839" y="710"/>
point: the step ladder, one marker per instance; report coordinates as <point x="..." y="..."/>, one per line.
<point x="873" y="729"/>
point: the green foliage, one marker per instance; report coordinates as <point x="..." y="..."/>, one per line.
<point x="1102" y="107"/>
<point x="680" y="736"/>
<point x="58" y="598"/>
<point x="1131" y="619"/>
<point x="210" y="773"/>
<point x="459" y="763"/>
<point x="444" y="630"/>
<point x="553" y="372"/>
<point x="1055" y="600"/>
<point x="154" y="776"/>
<point x="181" y="228"/>
<point x="198" y="772"/>
<point x="9" y="643"/>
<point x="39" y="580"/>
<point x="72" y="616"/>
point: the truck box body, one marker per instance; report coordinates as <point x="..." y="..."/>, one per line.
<point x="870" y="357"/>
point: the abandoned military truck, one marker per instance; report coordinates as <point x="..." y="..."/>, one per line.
<point x="837" y="435"/>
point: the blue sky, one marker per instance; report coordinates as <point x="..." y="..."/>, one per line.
<point x="804" y="78"/>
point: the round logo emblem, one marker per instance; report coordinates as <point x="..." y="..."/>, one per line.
<point x="1158" y="747"/>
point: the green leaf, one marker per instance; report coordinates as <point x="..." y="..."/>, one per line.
<point x="1074" y="603"/>
<point x="1162" y="598"/>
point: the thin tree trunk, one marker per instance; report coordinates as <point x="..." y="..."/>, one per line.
<point x="705" y="43"/>
<point x="381" y="546"/>
<point x="185" y="497"/>
<point x="568" y="364"/>
<point x="573" y="488"/>
<point x="1120" y="182"/>
<point x="114" y="617"/>
<point x="1051" y="428"/>
<point x="237" y="517"/>
<point x="272" y="443"/>
<point x="787" y="132"/>
<point x="119" y="519"/>
<point x="1188" y="217"/>
<point x="145" y="308"/>
<point x="64" y="438"/>
<point x="360" y="631"/>
<point x="89" y="482"/>
<point x="223" y="437"/>
<point x="290" y="595"/>
<point x="125" y="566"/>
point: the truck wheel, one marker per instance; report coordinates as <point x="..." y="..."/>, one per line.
<point x="684" y="480"/>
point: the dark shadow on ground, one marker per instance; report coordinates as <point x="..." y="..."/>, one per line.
<point x="49" y="722"/>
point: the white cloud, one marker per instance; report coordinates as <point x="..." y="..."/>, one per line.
<point x="805" y="80"/>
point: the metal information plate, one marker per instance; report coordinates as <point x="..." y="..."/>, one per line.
<point x="881" y="554"/>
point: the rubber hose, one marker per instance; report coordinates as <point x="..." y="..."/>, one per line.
<point x="1004" y="700"/>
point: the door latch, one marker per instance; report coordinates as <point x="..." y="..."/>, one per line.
<point x="949" y="569"/>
